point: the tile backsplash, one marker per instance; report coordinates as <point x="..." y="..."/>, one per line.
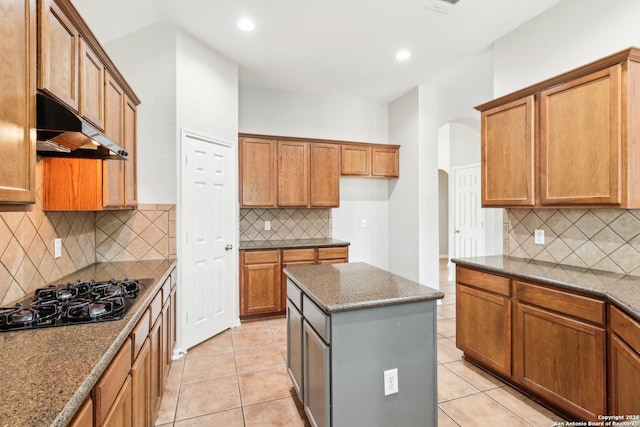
<point x="285" y="224"/>
<point x="146" y="233"/>
<point x="602" y="239"/>
<point x="27" y="239"/>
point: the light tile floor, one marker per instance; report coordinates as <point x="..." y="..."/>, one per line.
<point x="239" y="379"/>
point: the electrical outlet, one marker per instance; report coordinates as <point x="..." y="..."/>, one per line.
<point x="57" y="248"/>
<point x="390" y="382"/>
<point x="538" y="237"/>
<point x="267" y="225"/>
<point x="364" y="223"/>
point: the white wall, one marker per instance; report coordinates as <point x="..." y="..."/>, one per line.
<point x="277" y="112"/>
<point x="207" y="90"/>
<point x="403" y="193"/>
<point x="183" y="85"/>
<point x="148" y="60"/>
<point x="570" y="34"/>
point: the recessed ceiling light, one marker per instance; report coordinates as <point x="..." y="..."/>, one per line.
<point x="403" y="54"/>
<point x="246" y="24"/>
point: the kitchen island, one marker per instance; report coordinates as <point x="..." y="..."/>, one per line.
<point x="350" y="326"/>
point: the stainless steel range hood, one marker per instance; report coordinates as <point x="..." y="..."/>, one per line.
<point x="62" y="133"/>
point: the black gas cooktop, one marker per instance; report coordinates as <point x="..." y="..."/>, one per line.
<point x="73" y="303"/>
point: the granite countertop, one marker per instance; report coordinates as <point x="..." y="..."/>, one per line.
<point x="621" y="290"/>
<point x="356" y="286"/>
<point x="48" y="373"/>
<point x="290" y="244"/>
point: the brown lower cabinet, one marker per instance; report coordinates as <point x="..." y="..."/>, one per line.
<point x="550" y="342"/>
<point x="624" y="364"/>
<point x="263" y="286"/>
<point x="130" y="390"/>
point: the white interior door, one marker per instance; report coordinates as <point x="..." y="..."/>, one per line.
<point x="208" y="275"/>
<point x="468" y="227"/>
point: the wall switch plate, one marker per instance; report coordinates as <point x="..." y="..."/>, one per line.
<point x="538" y="237"/>
<point x="390" y="382"/>
<point x="57" y="248"/>
<point x="364" y="223"/>
<point x="267" y="225"/>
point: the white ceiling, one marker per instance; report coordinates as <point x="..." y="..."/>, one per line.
<point x="333" y="47"/>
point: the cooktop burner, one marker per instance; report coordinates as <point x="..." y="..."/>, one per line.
<point x="72" y="303"/>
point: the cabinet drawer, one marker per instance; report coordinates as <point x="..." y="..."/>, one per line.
<point x="565" y="303"/>
<point x="261" y="257"/>
<point x="333" y="253"/>
<point x="625" y="327"/>
<point x="107" y="388"/>
<point x="486" y="281"/>
<point x="294" y="294"/>
<point x="293" y="255"/>
<point x="140" y="333"/>
<point x="317" y="319"/>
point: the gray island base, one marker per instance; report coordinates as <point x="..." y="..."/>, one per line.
<point x="346" y="325"/>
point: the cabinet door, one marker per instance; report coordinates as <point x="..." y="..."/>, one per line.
<point x="72" y="184"/>
<point x="580" y="141"/>
<point x="157" y="367"/>
<point x="91" y="86"/>
<point x="561" y="360"/>
<point x="258" y="169"/>
<point x="141" y="387"/>
<point x="507" y="154"/>
<point x="167" y="322"/>
<point x="261" y="289"/>
<point x="294" y="347"/>
<point x="325" y="175"/>
<point x="293" y="174"/>
<point x="58" y="54"/>
<point x="483" y="327"/>
<point x="120" y="413"/>
<point x="113" y="170"/>
<point x="624" y="377"/>
<point x="356" y="160"/>
<point x="17" y="108"/>
<point x="316" y="379"/>
<point x="385" y="162"/>
<point x="84" y="416"/>
<point x="129" y="144"/>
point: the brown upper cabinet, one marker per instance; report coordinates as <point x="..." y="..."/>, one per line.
<point x="17" y="101"/>
<point x="507" y="154"/>
<point x="294" y="172"/>
<point x="59" y="52"/>
<point x="370" y="160"/>
<point x="258" y="172"/>
<point x="92" y="86"/>
<point x="75" y="69"/>
<point x="568" y="141"/>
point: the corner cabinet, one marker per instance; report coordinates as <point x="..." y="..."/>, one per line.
<point x="550" y="342"/>
<point x="17" y="102"/>
<point x="567" y="141"/>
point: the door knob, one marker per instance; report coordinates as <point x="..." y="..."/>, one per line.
<point x="457" y="231"/>
<point x="228" y="247"/>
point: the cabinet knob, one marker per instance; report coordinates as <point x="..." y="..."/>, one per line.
<point x="228" y="247"/>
